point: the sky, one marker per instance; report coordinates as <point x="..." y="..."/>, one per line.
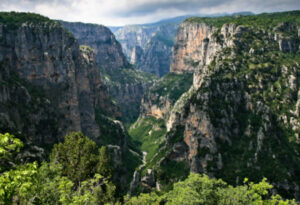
<point x="124" y="12"/>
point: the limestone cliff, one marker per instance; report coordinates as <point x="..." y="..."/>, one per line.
<point x="108" y="50"/>
<point x="240" y="117"/>
<point x="157" y="53"/>
<point x="149" y="46"/>
<point x="49" y="87"/>
<point x="125" y="85"/>
<point x="161" y="97"/>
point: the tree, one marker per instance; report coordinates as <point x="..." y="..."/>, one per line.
<point x="196" y="189"/>
<point x="77" y="155"/>
<point x="104" y="166"/>
<point x="17" y="185"/>
<point x="201" y="190"/>
<point x="80" y="158"/>
<point x="9" y="145"/>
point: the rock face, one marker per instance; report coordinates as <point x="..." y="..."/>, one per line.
<point x="108" y="51"/>
<point x="127" y="87"/>
<point x="158" y="51"/>
<point x="149" y="47"/>
<point x="132" y="36"/>
<point x="161" y="97"/>
<point x="49" y="86"/>
<point x="195" y="45"/>
<point x="124" y="84"/>
<point x="136" y="55"/>
<point x="240" y="117"/>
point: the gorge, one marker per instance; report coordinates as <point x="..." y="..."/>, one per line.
<point x="217" y="96"/>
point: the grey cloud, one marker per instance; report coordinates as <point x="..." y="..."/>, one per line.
<point x="149" y="7"/>
<point x="120" y="12"/>
<point x="30" y="4"/>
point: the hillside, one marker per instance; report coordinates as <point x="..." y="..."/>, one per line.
<point x="240" y="117"/>
<point x="50" y="86"/>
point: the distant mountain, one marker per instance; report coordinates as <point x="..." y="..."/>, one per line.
<point x="149" y="46"/>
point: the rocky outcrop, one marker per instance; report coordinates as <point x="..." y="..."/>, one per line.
<point x="136" y="55"/>
<point x="129" y="92"/>
<point x="162" y="96"/>
<point x="108" y="51"/>
<point x="287" y="43"/>
<point x="197" y="44"/>
<point x="49" y="86"/>
<point x="157" y="55"/>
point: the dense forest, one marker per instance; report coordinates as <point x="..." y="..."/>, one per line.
<point x="78" y="172"/>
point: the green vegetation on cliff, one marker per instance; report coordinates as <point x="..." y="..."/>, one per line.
<point x="263" y="21"/>
<point x="148" y="133"/>
<point x="243" y="121"/>
<point x="15" y="19"/>
<point x="172" y="85"/>
<point x="249" y="104"/>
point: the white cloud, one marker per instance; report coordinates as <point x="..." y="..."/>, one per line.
<point x="120" y="12"/>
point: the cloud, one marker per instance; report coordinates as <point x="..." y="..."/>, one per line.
<point x="120" y="12"/>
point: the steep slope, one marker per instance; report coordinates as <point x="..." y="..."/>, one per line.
<point x="240" y="118"/>
<point x="108" y="51"/>
<point x="48" y="59"/>
<point x="149" y="131"/>
<point x="125" y="85"/>
<point x="149" y="46"/>
<point x="49" y="87"/>
<point x="157" y="53"/>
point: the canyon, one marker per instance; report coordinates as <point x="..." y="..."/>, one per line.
<point x="216" y="96"/>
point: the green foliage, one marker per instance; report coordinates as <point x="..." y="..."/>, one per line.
<point x="14" y="19"/>
<point x="96" y="190"/>
<point x="172" y="171"/>
<point x="47" y="184"/>
<point x="104" y="166"/>
<point x="18" y="184"/>
<point x="173" y="85"/>
<point x="127" y="76"/>
<point x="86" y="48"/>
<point x="9" y="144"/>
<point x="266" y="20"/>
<point x="79" y="157"/>
<point x="143" y="199"/>
<point x="148" y="133"/>
<point x="202" y="190"/>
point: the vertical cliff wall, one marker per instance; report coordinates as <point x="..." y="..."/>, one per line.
<point x="49" y="86"/>
<point x="108" y="50"/>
